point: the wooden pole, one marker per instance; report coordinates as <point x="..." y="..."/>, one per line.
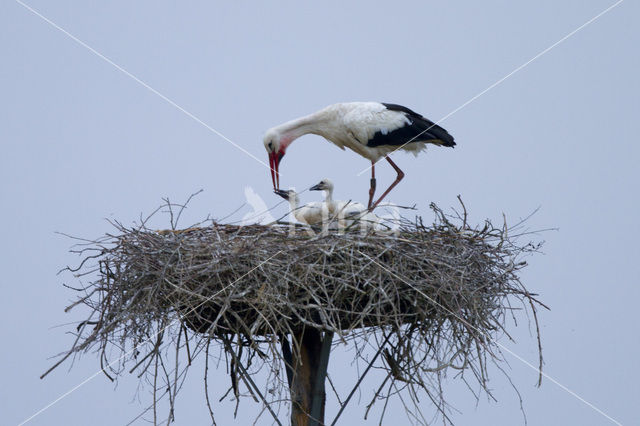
<point x="306" y="372"/>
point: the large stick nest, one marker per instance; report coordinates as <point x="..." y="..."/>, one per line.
<point x="435" y="297"/>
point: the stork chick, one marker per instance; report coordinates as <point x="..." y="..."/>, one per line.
<point x="309" y="214"/>
<point x="345" y="208"/>
<point x="353" y="211"/>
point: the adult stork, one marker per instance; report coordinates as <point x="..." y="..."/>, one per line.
<point x="371" y="129"/>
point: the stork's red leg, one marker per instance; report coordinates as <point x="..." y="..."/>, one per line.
<point x="398" y="179"/>
<point x="372" y="190"/>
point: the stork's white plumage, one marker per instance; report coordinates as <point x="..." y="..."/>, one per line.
<point x="310" y="214"/>
<point x="347" y="212"/>
<point x="337" y="207"/>
<point x="371" y="129"/>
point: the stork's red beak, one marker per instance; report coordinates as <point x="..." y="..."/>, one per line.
<point x="274" y="165"/>
<point x="273" y="169"/>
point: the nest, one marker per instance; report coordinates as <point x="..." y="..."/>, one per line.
<point x="430" y="299"/>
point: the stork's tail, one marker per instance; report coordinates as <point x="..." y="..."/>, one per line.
<point x="441" y="136"/>
<point x="428" y="130"/>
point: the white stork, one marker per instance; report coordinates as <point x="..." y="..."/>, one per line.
<point x="343" y="208"/>
<point x="309" y="214"/>
<point x="354" y="212"/>
<point x="371" y="129"/>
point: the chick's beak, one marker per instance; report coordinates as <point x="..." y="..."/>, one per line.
<point x="283" y="194"/>
<point x="317" y="187"/>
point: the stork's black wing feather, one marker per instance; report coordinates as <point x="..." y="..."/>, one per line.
<point x="419" y="129"/>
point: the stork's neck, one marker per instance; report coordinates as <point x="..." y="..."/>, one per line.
<point x="328" y="197"/>
<point x="294" y="202"/>
<point x="315" y="123"/>
<point x="328" y="201"/>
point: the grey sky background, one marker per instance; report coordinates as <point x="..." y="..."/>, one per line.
<point x="82" y="142"/>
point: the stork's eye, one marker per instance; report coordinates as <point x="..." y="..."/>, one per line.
<point x="270" y="145"/>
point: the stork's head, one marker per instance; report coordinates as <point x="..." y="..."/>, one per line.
<point x="290" y="195"/>
<point x="324" y="185"/>
<point x="273" y="143"/>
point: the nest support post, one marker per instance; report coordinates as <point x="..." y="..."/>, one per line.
<point x="306" y="369"/>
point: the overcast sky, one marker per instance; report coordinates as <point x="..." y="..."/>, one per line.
<point x="83" y="142"/>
